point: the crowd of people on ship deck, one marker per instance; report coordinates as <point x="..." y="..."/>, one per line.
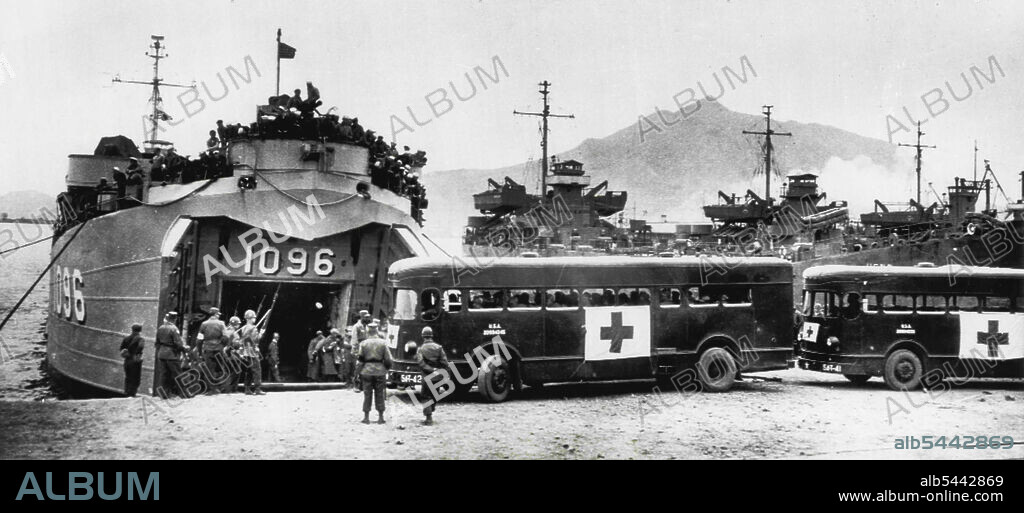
<point x="285" y="116"/>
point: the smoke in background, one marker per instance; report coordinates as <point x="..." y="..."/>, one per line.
<point x="861" y="181"/>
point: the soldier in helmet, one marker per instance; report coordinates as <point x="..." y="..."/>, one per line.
<point x="431" y="358"/>
<point x="169" y="349"/>
<point x="231" y="348"/>
<point x="249" y="340"/>
<point x="131" y="352"/>
<point x="359" y="334"/>
<point x="211" y="340"/>
<point x="374" y="363"/>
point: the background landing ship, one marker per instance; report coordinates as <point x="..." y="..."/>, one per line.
<point x="808" y="233"/>
<point x="567" y="217"/>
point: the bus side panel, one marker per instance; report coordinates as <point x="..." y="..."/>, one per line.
<point x="733" y="322"/>
<point x="563" y="347"/>
<point x="481" y="328"/>
<point x="563" y="332"/>
<point x="669" y="327"/>
<point x="773" y="307"/>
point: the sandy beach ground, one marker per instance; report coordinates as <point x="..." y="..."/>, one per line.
<point x="795" y="414"/>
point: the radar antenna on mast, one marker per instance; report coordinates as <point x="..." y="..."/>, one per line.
<point x="768" y="148"/>
<point x="157" y="101"/>
<point x="544" y="115"/>
<point x="919" y="147"/>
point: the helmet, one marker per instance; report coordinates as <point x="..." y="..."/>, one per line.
<point x="427" y="332"/>
<point x="234" y="320"/>
<point x="249" y="314"/>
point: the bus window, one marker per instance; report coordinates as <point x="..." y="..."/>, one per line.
<point x="669" y="297"/>
<point x="733" y="295"/>
<point x="633" y="297"/>
<point x="405" y="305"/>
<point x="931" y="304"/>
<point x="524" y="299"/>
<point x="996" y="304"/>
<point x="452" y="300"/>
<point x="561" y="299"/>
<point x="698" y="296"/>
<point x="964" y="304"/>
<point x="486" y="299"/>
<point x="897" y="303"/>
<point x="871" y="303"/>
<point x="592" y="297"/>
<point x="736" y="295"/>
<point x="431" y="299"/>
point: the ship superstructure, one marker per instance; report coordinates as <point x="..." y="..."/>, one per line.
<point x="568" y="216"/>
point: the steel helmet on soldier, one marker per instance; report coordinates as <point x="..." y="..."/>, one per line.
<point x="249" y="314"/>
<point x="427" y="332"/>
<point x="235" y="320"/>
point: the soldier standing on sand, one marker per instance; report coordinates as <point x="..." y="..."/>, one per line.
<point x="374" y="363"/>
<point x="131" y="351"/>
<point x="431" y="358"/>
<point x="360" y="333"/>
<point x="249" y="338"/>
<point x="168" y="357"/>
<point x="211" y="338"/>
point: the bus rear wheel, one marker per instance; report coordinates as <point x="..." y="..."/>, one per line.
<point x="857" y="379"/>
<point x="495" y="379"/>
<point x="716" y="370"/>
<point x="903" y="370"/>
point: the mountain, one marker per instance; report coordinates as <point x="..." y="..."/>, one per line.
<point x="679" y="168"/>
<point x="26" y="204"/>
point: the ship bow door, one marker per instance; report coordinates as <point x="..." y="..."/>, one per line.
<point x="179" y="269"/>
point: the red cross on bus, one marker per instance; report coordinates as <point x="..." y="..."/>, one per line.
<point x="616" y="333"/>
<point x="993" y="339"/>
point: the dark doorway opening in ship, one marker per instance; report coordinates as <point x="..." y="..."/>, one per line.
<point x="301" y="310"/>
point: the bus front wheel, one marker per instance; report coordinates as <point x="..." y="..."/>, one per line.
<point x="495" y="380"/>
<point x="716" y="369"/>
<point x="903" y="370"/>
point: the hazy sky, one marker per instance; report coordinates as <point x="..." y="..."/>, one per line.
<point x="845" y="64"/>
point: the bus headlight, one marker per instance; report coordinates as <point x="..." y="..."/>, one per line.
<point x="832" y="342"/>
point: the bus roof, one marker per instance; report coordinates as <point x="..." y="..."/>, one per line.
<point x="556" y="272"/>
<point x="918" y="279"/>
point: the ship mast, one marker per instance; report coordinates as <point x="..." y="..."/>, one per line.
<point x="155" y="98"/>
<point x="975" y="160"/>
<point x="544" y="115"/>
<point x="919" y="147"/>
<point x="768" y="133"/>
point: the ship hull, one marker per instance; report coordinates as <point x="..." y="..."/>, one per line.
<point x="325" y="240"/>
